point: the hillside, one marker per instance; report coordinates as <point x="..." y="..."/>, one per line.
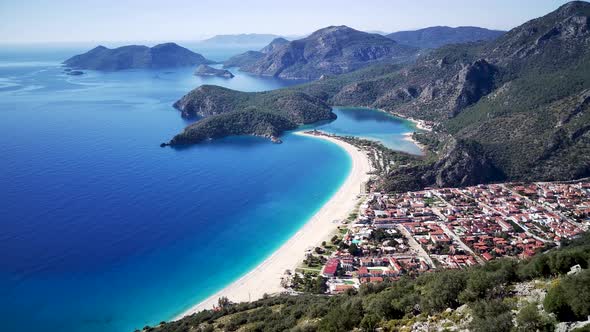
<point x="136" y="57"/>
<point x="515" y="108"/>
<point x="224" y="112"/>
<point x="243" y="59"/>
<point x="274" y="45"/>
<point x="503" y="295"/>
<point x="329" y="51"/>
<point x="435" y="37"/>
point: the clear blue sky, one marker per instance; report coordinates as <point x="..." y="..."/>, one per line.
<point x="139" y="20"/>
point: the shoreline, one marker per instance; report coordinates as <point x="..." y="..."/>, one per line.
<point x="266" y="277"/>
<point x="409" y="136"/>
<point x="420" y="124"/>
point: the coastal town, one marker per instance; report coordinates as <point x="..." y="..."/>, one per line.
<point x="392" y="235"/>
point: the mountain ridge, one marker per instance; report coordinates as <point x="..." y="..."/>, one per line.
<point x="241" y="39"/>
<point x="437" y="36"/>
<point x="329" y="51"/>
<point x="517" y="105"/>
<point x="136" y="56"/>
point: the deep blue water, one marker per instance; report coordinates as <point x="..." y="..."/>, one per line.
<point x="103" y="230"/>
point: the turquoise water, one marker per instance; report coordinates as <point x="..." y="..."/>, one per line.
<point x="103" y="230"/>
<point x="373" y="125"/>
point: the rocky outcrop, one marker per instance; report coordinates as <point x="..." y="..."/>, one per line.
<point x="136" y="57"/>
<point x="473" y="82"/>
<point x="205" y="70"/>
<point x="462" y="163"/>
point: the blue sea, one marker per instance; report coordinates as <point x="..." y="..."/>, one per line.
<point x="103" y="230"/>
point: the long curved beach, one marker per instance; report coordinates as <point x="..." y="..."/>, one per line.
<point x="266" y="277"/>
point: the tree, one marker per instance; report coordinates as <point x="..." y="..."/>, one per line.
<point x="530" y="319"/>
<point x="443" y="290"/>
<point x="481" y="285"/>
<point x="223" y="302"/>
<point x="491" y="316"/>
<point x="354" y="250"/>
<point x="570" y="298"/>
<point x="335" y="239"/>
<point x="344" y="317"/>
<point x="319" y="285"/>
<point x="369" y="322"/>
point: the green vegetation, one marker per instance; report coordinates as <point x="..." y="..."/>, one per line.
<point x="227" y="112"/>
<point x="530" y="319"/>
<point x="265" y="124"/>
<point x="515" y="108"/>
<point x="393" y="306"/>
<point x="569" y="298"/>
<point x="309" y="283"/>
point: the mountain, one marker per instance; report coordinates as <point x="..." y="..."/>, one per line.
<point x="135" y="57"/>
<point x="274" y="45"/>
<point x="246" y="39"/>
<point x="329" y="51"/>
<point x="514" y="108"/>
<point x="250" y="57"/>
<point x="435" y="37"/>
<point x="244" y="59"/>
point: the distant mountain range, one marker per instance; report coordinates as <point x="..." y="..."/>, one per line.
<point x="136" y="57"/>
<point x="435" y="37"/>
<point x="330" y="51"/>
<point x="337" y="50"/>
<point x="513" y="108"/>
<point x="246" y="39"/>
<point x="250" y="57"/>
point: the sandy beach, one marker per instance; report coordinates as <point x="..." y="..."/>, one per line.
<point x="410" y="138"/>
<point x="266" y="277"/>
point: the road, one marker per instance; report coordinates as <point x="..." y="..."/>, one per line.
<point x="415" y="245"/>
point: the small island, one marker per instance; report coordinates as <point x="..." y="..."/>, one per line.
<point x="167" y="55"/>
<point x="205" y="70"/>
<point x="74" y="72"/>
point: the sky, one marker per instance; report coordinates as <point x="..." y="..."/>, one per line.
<point x="30" y="21"/>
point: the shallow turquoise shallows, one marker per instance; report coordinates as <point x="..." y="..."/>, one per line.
<point x="103" y="230"/>
<point x="373" y="125"/>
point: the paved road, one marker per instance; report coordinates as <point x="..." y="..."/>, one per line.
<point x="415" y="245"/>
